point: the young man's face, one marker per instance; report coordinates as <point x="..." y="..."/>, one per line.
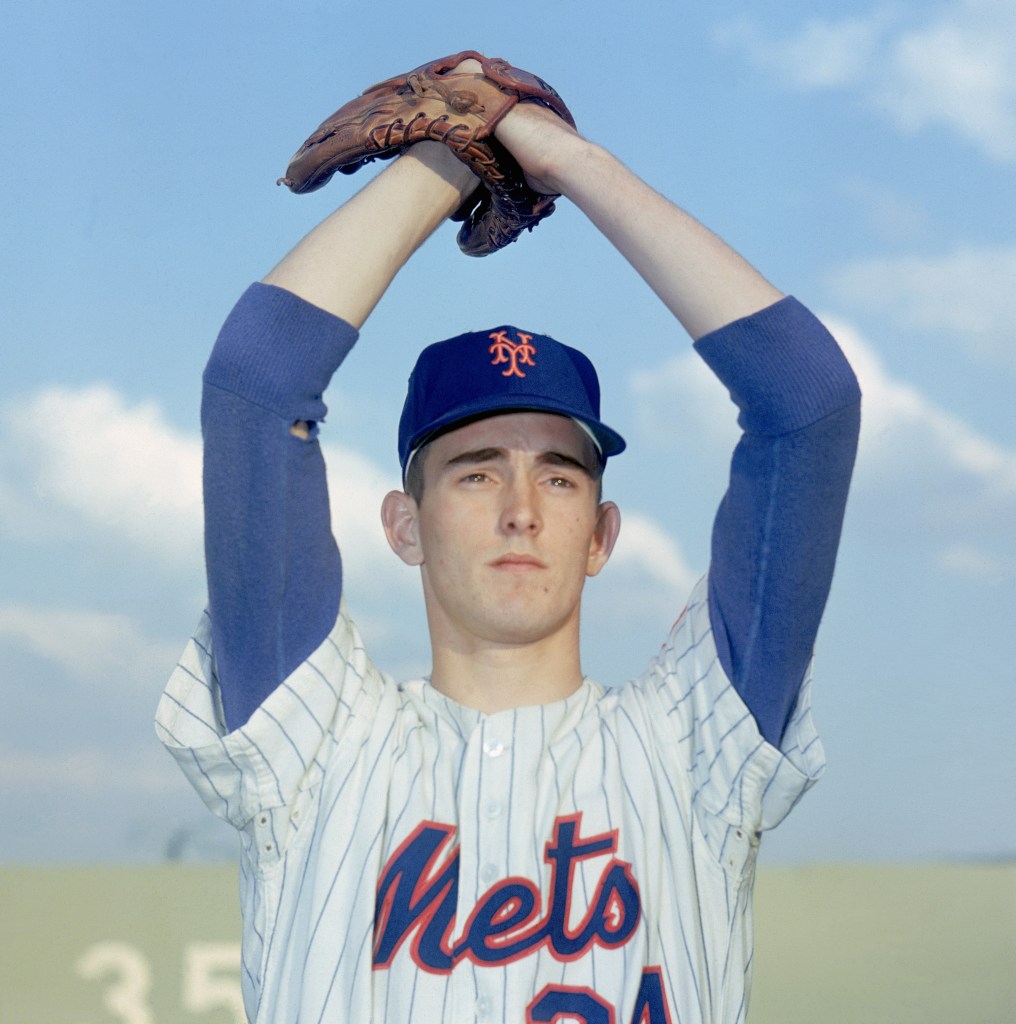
<point x="508" y="528"/>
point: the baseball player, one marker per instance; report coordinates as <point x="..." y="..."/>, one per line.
<point x="505" y="840"/>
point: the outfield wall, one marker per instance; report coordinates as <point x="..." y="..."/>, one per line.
<point x="835" y="945"/>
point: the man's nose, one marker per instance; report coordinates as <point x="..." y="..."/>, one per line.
<point x="521" y="508"/>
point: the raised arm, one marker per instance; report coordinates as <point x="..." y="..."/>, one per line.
<point x="274" y="571"/>
<point x="348" y="261"/>
<point x="703" y="282"/>
<point x="777" y="529"/>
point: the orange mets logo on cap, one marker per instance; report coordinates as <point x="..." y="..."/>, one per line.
<point x="515" y="354"/>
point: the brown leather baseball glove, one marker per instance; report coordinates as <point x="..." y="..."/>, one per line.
<point x="462" y="111"/>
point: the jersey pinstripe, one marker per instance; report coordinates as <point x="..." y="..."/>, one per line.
<point x="406" y="858"/>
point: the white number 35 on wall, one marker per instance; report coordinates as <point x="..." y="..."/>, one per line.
<point x="210" y="980"/>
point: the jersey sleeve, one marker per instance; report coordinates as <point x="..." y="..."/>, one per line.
<point x="778" y="526"/>
<point x="274" y="570"/>
<point x="266" y="771"/>
<point x="738" y="783"/>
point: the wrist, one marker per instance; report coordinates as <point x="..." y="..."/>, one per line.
<point x="437" y="161"/>
<point x="542" y="144"/>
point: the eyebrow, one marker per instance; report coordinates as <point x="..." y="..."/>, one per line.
<point x="547" y="458"/>
<point x="477" y="455"/>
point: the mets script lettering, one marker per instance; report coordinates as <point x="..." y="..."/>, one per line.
<point x="418" y="889"/>
<point x="504" y="350"/>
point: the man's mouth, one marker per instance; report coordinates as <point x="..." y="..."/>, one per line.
<point x="517" y="562"/>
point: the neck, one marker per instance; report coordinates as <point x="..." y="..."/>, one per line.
<point x="495" y="677"/>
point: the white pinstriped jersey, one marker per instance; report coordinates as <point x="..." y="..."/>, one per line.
<point x="409" y="859"/>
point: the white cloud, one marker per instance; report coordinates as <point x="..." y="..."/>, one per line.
<point x="924" y="476"/>
<point x="960" y="71"/>
<point x="892" y="407"/>
<point x="89" y="458"/>
<point x="957" y="68"/>
<point x="101" y="648"/>
<point x="89" y="465"/>
<point x="656" y="557"/>
<point x="927" y="476"/>
<point x="111" y="465"/>
<point x="969" y="293"/>
<point x="628" y="609"/>
<point x="820" y="55"/>
<point x="683" y="389"/>
<point x="375" y="580"/>
<point x="357" y="486"/>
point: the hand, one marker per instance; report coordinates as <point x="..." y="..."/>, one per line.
<point x="532" y="133"/>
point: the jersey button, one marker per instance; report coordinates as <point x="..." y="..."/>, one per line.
<point x="493" y="808"/>
<point x="488" y="872"/>
<point x="483" y="1008"/>
<point x="493" y="749"/>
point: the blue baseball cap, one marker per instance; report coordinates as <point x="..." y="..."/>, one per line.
<point x="500" y="370"/>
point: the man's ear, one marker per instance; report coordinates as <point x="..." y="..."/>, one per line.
<point x="400" y="518"/>
<point x="608" y="526"/>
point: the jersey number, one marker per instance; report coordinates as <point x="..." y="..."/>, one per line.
<point x="558" y="1004"/>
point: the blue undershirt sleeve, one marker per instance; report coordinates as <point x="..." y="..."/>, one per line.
<point x="274" y="570"/>
<point x="778" y="526"/>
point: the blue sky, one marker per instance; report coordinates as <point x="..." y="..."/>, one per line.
<point x="862" y="155"/>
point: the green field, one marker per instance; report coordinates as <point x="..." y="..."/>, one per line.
<point x="835" y="945"/>
<point x="886" y="945"/>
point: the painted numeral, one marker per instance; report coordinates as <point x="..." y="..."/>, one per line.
<point x="210" y="980"/>
<point x="126" y="995"/>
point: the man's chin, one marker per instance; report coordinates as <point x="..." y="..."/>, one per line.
<point x="525" y="625"/>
